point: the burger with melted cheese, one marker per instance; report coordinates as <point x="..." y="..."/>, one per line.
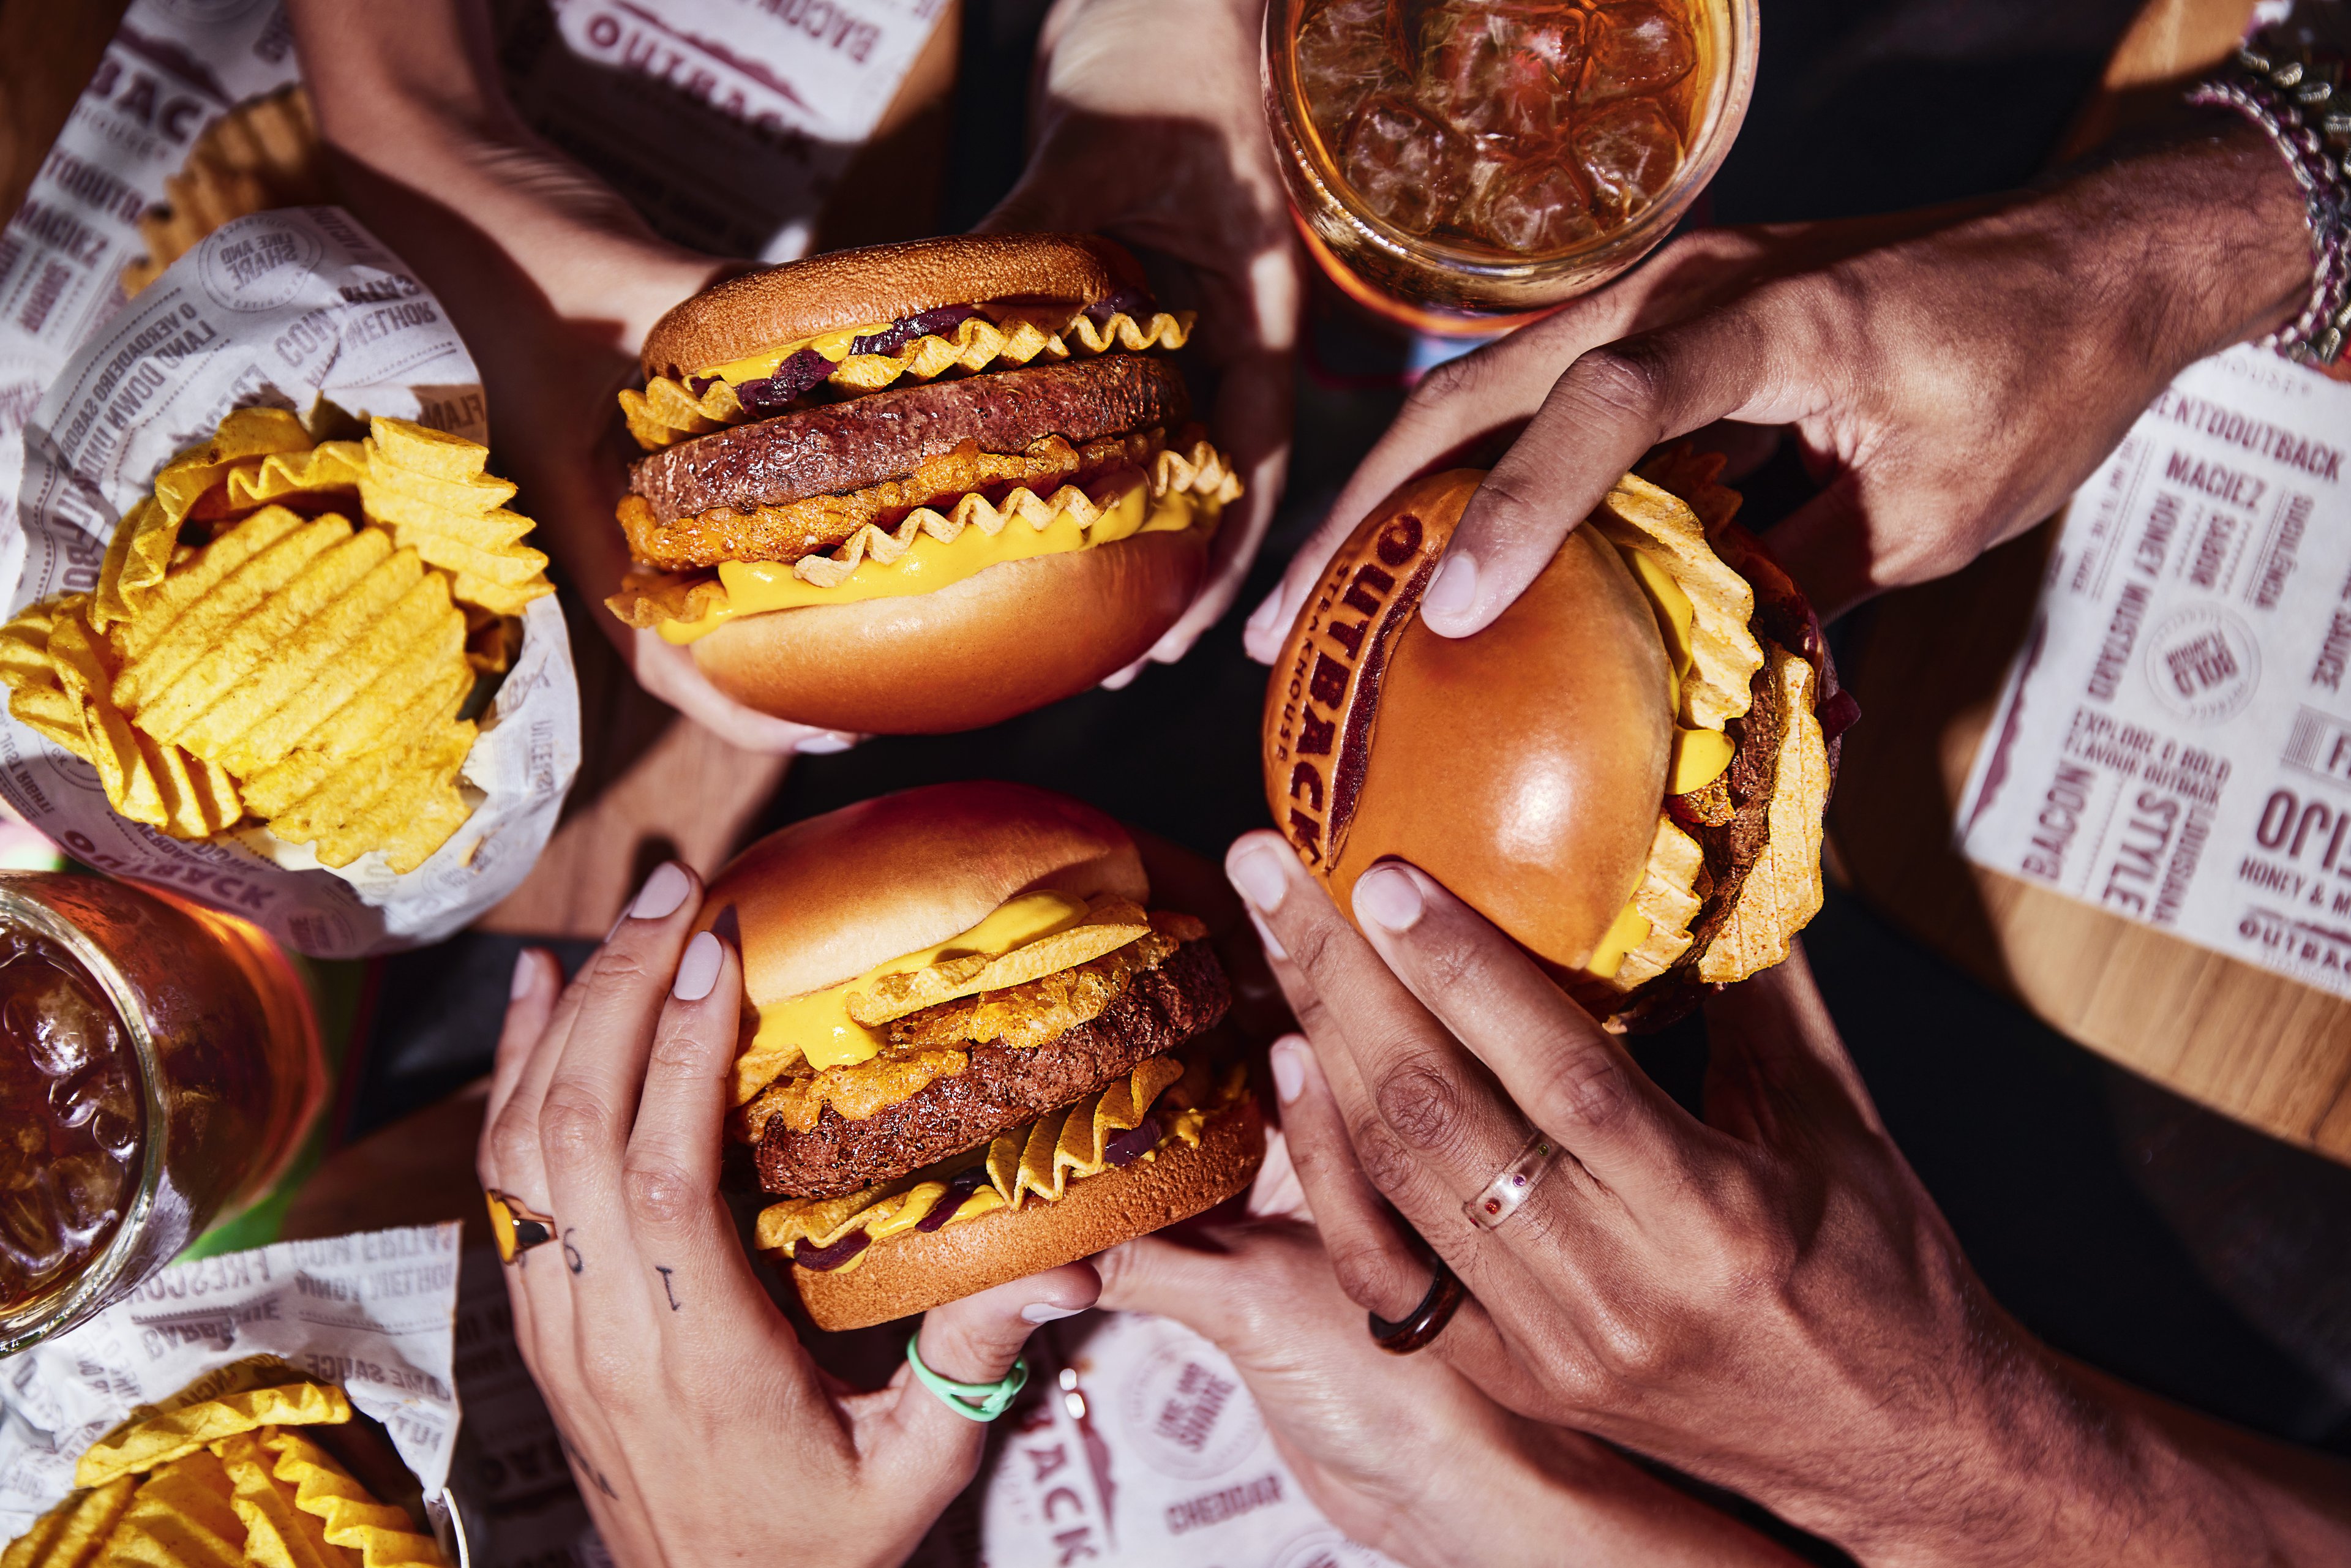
<point x="974" y="1047"/>
<point x="1627" y="772"/>
<point x="918" y="487"/>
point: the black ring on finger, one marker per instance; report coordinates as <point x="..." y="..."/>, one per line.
<point x="1424" y="1321"/>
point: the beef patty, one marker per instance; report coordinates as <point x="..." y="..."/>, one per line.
<point x="844" y="446"/>
<point x="1001" y="1088"/>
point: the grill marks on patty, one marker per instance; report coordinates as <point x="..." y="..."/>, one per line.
<point x="823" y="523"/>
<point x="866" y="440"/>
<point x="1001" y="1087"/>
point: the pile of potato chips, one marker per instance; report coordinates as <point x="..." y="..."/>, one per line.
<point x="251" y="653"/>
<point x="222" y="1483"/>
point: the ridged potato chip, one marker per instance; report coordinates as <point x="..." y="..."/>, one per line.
<point x="1782" y="891"/>
<point x="180" y="1517"/>
<point x="69" y="1534"/>
<point x="164" y="1435"/>
<point x="381" y="1535"/>
<point x="429" y="489"/>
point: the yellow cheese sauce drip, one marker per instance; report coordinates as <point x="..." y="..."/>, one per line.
<point x="818" y="1026"/>
<point x="757" y="587"/>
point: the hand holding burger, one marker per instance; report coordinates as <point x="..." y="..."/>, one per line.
<point x="1627" y="772"/>
<point x="1150" y="128"/>
<point x="1402" y="1452"/>
<point x="976" y="1045"/>
<point x="918" y="487"/>
<point x="1766" y="1299"/>
<point x="697" y="1425"/>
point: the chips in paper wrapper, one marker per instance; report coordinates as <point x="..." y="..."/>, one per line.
<point x="257" y="566"/>
<point x="178" y="1429"/>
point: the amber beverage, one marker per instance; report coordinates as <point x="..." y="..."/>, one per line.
<point x="1460" y="165"/>
<point x="160" y="1065"/>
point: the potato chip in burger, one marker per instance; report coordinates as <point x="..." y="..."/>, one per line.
<point x="1627" y="771"/>
<point x="918" y="487"/>
<point x="974" y="1046"/>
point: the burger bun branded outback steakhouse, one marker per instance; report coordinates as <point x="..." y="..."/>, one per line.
<point x="1627" y="772"/>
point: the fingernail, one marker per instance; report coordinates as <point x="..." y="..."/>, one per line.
<point x="1256" y="872"/>
<point x="822" y="745"/>
<point x="698" y="970"/>
<point x="1289" y="1072"/>
<point x="663" y="893"/>
<point x="1388" y="897"/>
<point x="525" y="976"/>
<point x="1266" y="620"/>
<point x="1265" y="935"/>
<point x="1452" y="593"/>
<point x="1046" y="1313"/>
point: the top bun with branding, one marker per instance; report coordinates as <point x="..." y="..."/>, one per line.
<point x="1627" y="771"/>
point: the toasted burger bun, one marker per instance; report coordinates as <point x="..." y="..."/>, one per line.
<point x="882" y="283"/>
<point x="1523" y="768"/>
<point x="912" y="1272"/>
<point x="825" y="899"/>
<point x="1018" y="635"/>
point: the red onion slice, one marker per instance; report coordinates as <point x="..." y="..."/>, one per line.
<point x="908" y="329"/>
<point x="795" y="376"/>
<point x="1126" y="1148"/>
<point x="823" y="1259"/>
<point x="1121" y="302"/>
<point x="962" y="1187"/>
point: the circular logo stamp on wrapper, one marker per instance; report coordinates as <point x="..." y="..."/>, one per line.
<point x="2203" y="665"/>
<point x="256" y="263"/>
<point x="1187" y="1412"/>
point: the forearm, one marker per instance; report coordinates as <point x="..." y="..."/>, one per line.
<point x="2067" y="1465"/>
<point x="411" y="94"/>
<point x="1537" y="1495"/>
<point x="2198" y="238"/>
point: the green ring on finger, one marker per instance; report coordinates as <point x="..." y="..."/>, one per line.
<point x="972" y="1401"/>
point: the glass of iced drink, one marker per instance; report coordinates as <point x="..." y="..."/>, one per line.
<point x="1461" y="164"/>
<point x="159" y="1067"/>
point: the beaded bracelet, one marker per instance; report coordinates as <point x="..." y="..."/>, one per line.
<point x="2300" y="103"/>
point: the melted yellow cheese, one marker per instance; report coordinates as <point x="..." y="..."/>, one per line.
<point x="1630" y="929"/>
<point x="1700" y="756"/>
<point x="759" y="367"/>
<point x="757" y="587"/>
<point x="818" y="1026"/>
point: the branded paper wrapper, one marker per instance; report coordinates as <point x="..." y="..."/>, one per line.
<point x="284" y="308"/>
<point x="2174" y="742"/>
<point x="1139" y="1447"/>
<point x="375" y="1312"/>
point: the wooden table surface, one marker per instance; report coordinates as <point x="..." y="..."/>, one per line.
<point x="2249" y="1043"/>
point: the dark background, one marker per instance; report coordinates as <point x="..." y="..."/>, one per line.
<point x="2125" y="1224"/>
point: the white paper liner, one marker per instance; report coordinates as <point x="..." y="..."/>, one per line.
<point x="375" y="1312"/>
<point x="282" y="307"/>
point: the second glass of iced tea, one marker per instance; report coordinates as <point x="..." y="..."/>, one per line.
<point x="1459" y="164"/>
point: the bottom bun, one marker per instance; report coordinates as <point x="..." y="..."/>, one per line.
<point x="912" y="1272"/>
<point x="1014" y="637"/>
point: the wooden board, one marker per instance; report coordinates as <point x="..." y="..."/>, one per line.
<point x="2249" y="1043"/>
